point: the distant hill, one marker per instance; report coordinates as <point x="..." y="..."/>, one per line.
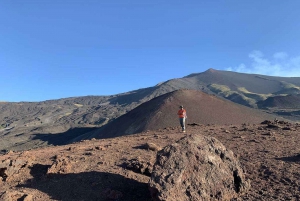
<point x="246" y="89"/>
<point x="279" y="102"/>
<point x="161" y="112"/>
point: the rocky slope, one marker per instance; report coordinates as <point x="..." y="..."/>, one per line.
<point x="120" y="168"/>
<point x="161" y="112"/>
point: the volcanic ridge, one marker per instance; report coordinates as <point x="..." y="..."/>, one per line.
<point x="161" y="112"/>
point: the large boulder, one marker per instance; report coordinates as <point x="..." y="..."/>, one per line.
<point x="197" y="168"/>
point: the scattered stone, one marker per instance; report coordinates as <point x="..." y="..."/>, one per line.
<point x="71" y="148"/>
<point x="273" y="126"/>
<point x="268" y="133"/>
<point x="141" y="167"/>
<point x="152" y="146"/>
<point x="100" y="148"/>
<point x="3" y="174"/>
<point x="197" y="168"/>
<point x="244" y="129"/>
<point x="254" y="140"/>
<point x="283" y="122"/>
<point x="193" y="124"/>
<point x="266" y="122"/>
<point x="88" y="153"/>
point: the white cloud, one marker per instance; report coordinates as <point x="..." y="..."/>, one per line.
<point x="280" y="65"/>
<point x="280" y="55"/>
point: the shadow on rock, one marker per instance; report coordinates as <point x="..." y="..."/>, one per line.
<point x="62" y="138"/>
<point x="86" y="186"/>
<point x="295" y="158"/>
<point x="39" y="171"/>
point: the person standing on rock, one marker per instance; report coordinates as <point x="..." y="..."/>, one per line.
<point x="182" y="116"/>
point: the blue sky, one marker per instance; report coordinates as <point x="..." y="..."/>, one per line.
<point x="52" y="49"/>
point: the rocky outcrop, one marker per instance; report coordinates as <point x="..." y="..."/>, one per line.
<point x="11" y="167"/>
<point x="197" y="168"/>
<point x="61" y="165"/>
<point x="138" y="166"/>
<point x="16" y="195"/>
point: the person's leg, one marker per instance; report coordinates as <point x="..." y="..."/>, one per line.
<point x="183" y="123"/>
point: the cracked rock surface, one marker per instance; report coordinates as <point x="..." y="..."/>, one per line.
<point x="197" y="168"/>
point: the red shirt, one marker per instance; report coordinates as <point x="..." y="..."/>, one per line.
<point x="182" y="113"/>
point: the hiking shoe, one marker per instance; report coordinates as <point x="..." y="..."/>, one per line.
<point x="183" y="131"/>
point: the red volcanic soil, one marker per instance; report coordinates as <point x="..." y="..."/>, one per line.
<point x="110" y="169"/>
<point x="161" y="112"/>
